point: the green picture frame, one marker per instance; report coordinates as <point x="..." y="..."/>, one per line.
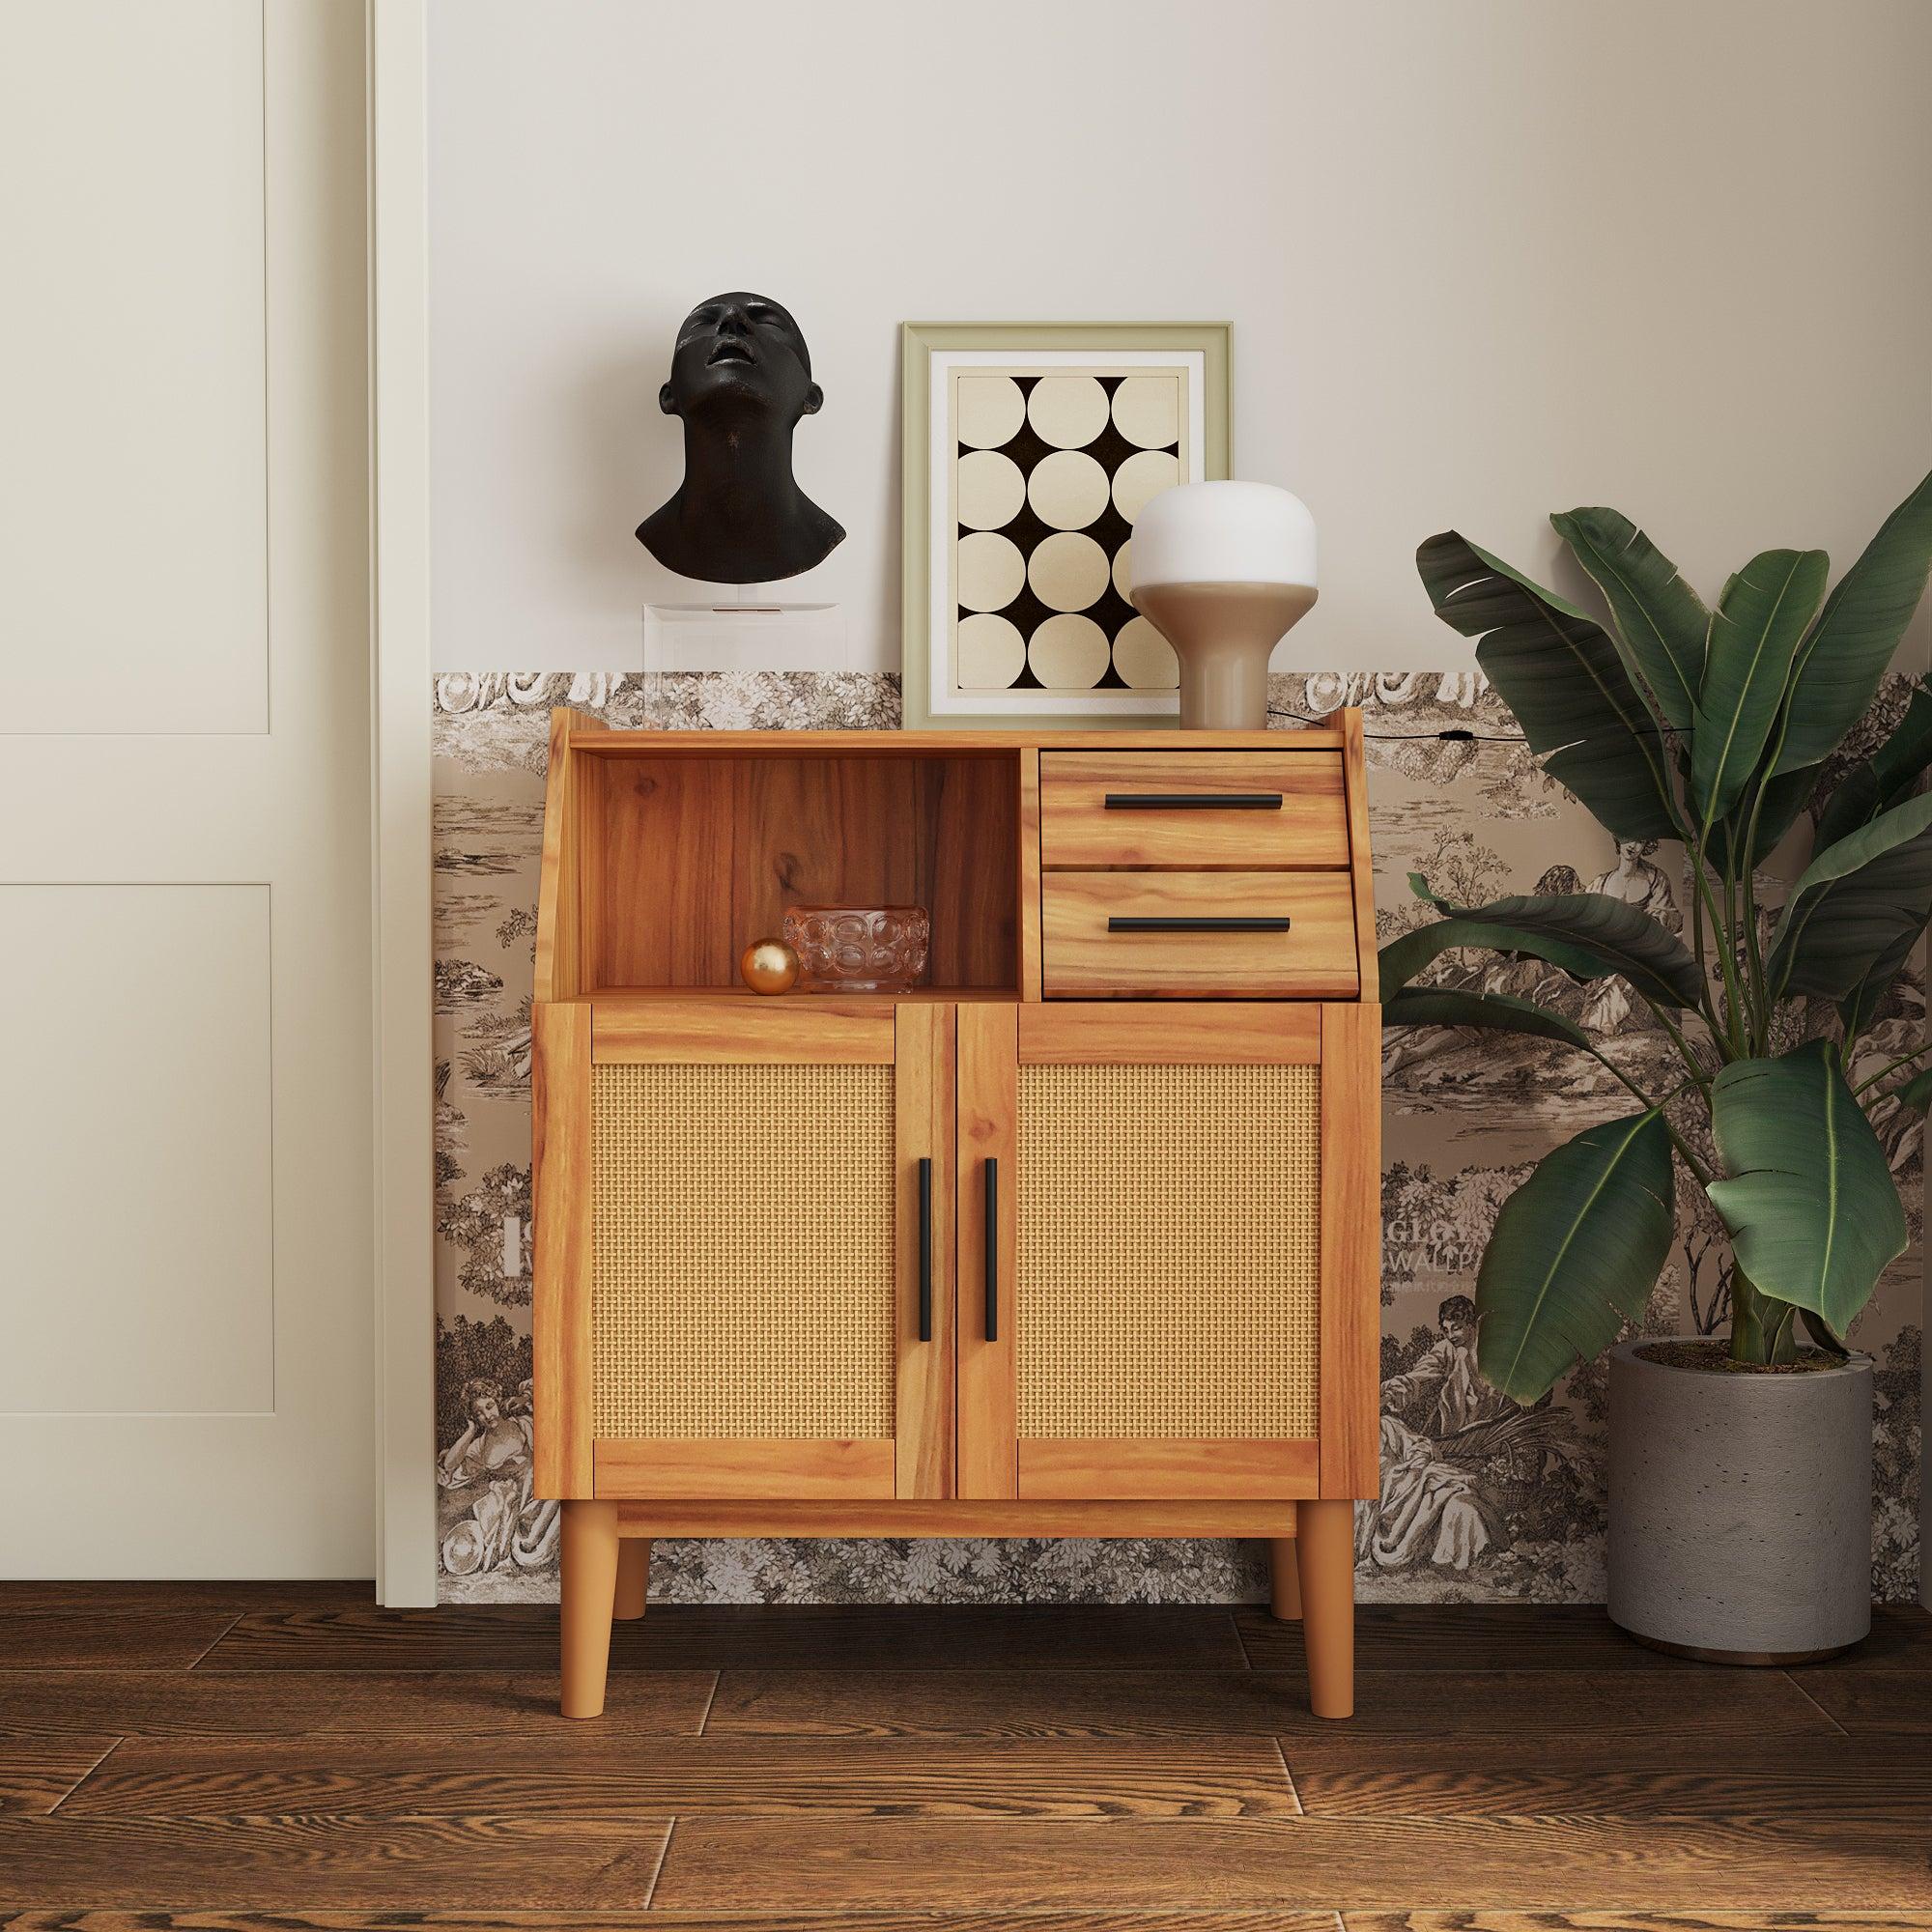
<point x="931" y="350"/>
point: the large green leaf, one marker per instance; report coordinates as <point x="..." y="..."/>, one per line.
<point x="1861" y="1005"/>
<point x="1808" y="1198"/>
<point x="1575" y="1254"/>
<point x="1560" y="673"/>
<point x="1448" y="1006"/>
<point x="1854" y="903"/>
<point x="1884" y="778"/>
<point x="1917" y="1093"/>
<point x="1784" y="798"/>
<point x="1588" y="934"/>
<point x="1662" y="619"/>
<point x="1839" y="667"/>
<point x="1767" y="608"/>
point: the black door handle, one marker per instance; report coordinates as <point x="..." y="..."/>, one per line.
<point x="1197" y="926"/>
<point x="992" y="1245"/>
<point x="925" y="1249"/>
<point x="1193" y="801"/>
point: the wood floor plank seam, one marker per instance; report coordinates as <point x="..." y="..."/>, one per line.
<point x="1294" y="1789"/>
<point x="229" y="1625"/>
<point x="1791" y="1678"/>
<point x="55" y="1807"/>
<point x="657" y="1870"/>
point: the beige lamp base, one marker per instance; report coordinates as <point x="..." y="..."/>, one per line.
<point x="1223" y="635"/>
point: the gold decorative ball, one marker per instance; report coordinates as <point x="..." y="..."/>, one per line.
<point x="768" y="966"/>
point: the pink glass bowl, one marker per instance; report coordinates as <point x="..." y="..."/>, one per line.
<point x="858" y="948"/>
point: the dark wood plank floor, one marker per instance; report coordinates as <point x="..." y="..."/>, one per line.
<point x="224" y="1757"/>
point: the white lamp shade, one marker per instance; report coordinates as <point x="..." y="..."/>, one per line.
<point x="1223" y="534"/>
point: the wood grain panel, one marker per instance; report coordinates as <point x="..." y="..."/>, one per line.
<point x="988" y="1113"/>
<point x="38" y="1771"/>
<point x="794" y="1028"/>
<point x="104" y="1640"/>
<point x="1459" y="1637"/>
<point x="1082" y="958"/>
<point x="923" y="1125"/>
<point x="560" y="1189"/>
<point x="1079" y="830"/>
<point x="559" y="963"/>
<point x="723" y="1466"/>
<point x="614" y="743"/>
<point x="1351" y="1223"/>
<point x="605" y="742"/>
<point x="434" y="1688"/>
<point x="603" y="1773"/>
<point x="287" y="1864"/>
<point x="763" y="1919"/>
<point x="1728" y="1781"/>
<point x="699" y="855"/>
<point x="1868" y="1700"/>
<point x="808" y="831"/>
<point x="1355" y="778"/>
<point x="1238" y="1032"/>
<point x="966" y="861"/>
<point x="965" y="1637"/>
<point x="1482" y="1710"/>
<point x="960" y="1516"/>
<point x="21" y="1595"/>
<point x="729" y="1864"/>
<point x="1136" y="1468"/>
<point x="1029" y="870"/>
<point x="1620" y="1918"/>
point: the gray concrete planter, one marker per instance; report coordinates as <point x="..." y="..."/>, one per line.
<point x="1741" y="1508"/>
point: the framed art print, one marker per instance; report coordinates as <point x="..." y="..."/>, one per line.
<point x="1030" y="448"/>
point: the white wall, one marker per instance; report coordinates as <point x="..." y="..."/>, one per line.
<point x="1485" y="259"/>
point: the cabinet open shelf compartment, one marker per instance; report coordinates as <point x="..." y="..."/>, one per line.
<point x="666" y="863"/>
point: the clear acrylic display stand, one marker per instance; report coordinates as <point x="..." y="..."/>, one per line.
<point x="744" y="635"/>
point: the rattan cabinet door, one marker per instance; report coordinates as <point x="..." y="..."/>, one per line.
<point x="762" y="1320"/>
<point x="1166" y="1256"/>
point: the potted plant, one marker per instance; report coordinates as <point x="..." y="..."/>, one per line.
<point x="1740" y="1473"/>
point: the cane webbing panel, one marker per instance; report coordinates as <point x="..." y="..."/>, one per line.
<point x="742" y="1251"/>
<point x="1169" y="1251"/>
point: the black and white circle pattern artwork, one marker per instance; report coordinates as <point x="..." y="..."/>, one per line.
<point x="1050" y="472"/>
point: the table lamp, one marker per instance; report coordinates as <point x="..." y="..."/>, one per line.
<point x="1222" y="571"/>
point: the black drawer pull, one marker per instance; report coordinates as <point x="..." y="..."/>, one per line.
<point x="1197" y="926"/>
<point x="992" y="1249"/>
<point x="1194" y="801"/>
<point x="925" y="1250"/>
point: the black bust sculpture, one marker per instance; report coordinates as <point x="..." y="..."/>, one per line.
<point x="740" y="379"/>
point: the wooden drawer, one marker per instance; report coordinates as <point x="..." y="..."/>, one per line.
<point x="1196" y="810"/>
<point x="1087" y="954"/>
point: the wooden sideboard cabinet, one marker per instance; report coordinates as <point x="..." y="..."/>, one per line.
<point x="1079" y="1238"/>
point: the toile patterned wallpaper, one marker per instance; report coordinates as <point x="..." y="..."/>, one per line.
<point x="1481" y="1501"/>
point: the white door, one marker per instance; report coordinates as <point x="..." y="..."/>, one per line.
<point x="186" y="1345"/>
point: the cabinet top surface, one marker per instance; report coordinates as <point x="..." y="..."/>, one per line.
<point x="602" y="740"/>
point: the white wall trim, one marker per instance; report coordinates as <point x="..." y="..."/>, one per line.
<point x="400" y="803"/>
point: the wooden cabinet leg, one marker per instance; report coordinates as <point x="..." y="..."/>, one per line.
<point x="1285" y="1580"/>
<point x="589" y="1596"/>
<point x="634" y="1577"/>
<point x="1326" y="1533"/>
